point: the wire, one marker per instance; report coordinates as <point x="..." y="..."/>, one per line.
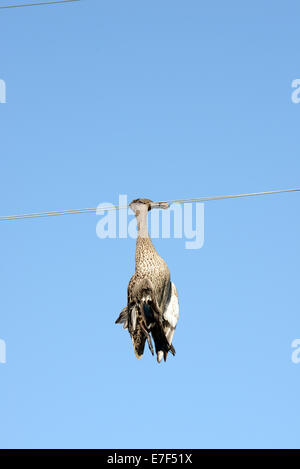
<point x="40" y="3"/>
<point x="120" y="207"/>
<point x="220" y="197"/>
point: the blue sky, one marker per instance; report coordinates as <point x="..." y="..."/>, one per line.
<point x="165" y="100"/>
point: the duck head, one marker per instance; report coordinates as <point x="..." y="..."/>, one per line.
<point x="139" y="205"/>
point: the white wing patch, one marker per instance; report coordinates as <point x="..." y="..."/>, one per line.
<point x="133" y="317"/>
<point x="171" y="316"/>
<point x="171" y="313"/>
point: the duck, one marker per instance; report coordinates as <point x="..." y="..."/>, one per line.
<point x="152" y="309"/>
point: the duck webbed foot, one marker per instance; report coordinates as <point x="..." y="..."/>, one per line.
<point x="144" y="329"/>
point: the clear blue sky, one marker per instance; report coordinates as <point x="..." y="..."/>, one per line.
<point x="159" y="99"/>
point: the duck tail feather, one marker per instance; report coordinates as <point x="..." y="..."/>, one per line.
<point x="123" y="318"/>
<point x="162" y="346"/>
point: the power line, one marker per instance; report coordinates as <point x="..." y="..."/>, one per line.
<point x="39" y="3"/>
<point x="120" y="207"/>
<point x="220" y="197"/>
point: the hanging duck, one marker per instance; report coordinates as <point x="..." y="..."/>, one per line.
<point x="152" y="301"/>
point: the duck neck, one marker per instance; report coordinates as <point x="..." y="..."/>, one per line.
<point x="142" y="223"/>
<point x="145" y="251"/>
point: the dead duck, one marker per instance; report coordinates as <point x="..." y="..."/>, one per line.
<point x="152" y="301"/>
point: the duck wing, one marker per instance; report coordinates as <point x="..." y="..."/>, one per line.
<point x="170" y="319"/>
<point x="123" y="318"/>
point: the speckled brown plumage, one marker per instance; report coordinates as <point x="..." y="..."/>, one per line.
<point x="148" y="290"/>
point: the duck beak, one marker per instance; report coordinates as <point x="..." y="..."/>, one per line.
<point x="162" y="205"/>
